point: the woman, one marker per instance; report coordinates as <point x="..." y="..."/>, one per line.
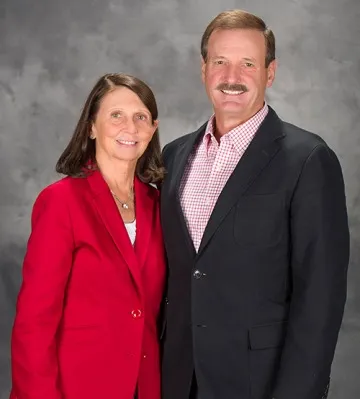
<point x="93" y="274"/>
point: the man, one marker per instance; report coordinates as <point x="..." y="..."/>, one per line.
<point x="256" y="233"/>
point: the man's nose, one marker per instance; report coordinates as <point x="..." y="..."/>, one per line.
<point x="233" y="74"/>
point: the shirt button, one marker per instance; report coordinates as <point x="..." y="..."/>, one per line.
<point x="208" y="201"/>
<point x="144" y="356"/>
<point x="136" y="313"/>
<point x="218" y="167"/>
<point x="197" y="274"/>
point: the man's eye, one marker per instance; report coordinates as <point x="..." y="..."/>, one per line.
<point x="142" y="117"/>
<point x="116" y="115"/>
<point x="219" y="62"/>
<point x="249" y="64"/>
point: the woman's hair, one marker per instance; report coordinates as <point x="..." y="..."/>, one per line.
<point x="78" y="157"/>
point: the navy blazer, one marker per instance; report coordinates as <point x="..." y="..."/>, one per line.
<point x="257" y="310"/>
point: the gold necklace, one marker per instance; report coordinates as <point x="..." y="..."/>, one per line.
<point x="123" y="204"/>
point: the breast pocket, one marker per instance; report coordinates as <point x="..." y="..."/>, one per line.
<point x="260" y="220"/>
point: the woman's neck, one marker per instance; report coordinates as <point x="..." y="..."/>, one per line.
<point x="119" y="175"/>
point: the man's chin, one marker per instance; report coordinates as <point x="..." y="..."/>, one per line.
<point x="231" y="107"/>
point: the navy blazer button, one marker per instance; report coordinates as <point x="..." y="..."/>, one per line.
<point x="197" y="274"/>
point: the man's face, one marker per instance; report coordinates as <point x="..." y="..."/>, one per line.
<point x="234" y="73"/>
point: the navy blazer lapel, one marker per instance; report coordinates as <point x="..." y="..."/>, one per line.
<point x="259" y="153"/>
<point x="182" y="157"/>
<point x="180" y="162"/>
<point x="106" y="207"/>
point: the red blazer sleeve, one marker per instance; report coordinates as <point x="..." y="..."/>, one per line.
<point x="46" y="269"/>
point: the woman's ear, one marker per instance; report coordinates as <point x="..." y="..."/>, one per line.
<point x="93" y="132"/>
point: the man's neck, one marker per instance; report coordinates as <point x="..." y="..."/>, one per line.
<point x="224" y="123"/>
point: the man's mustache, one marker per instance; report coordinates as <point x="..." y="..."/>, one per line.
<point x="232" y="87"/>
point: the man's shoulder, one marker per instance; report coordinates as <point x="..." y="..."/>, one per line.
<point x="301" y="140"/>
<point x="293" y="136"/>
<point x="300" y="134"/>
<point x="171" y="147"/>
<point x="179" y="141"/>
<point x="183" y="139"/>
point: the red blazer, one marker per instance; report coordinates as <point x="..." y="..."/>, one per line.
<point x="86" y="320"/>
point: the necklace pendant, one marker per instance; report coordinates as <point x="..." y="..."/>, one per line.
<point x="125" y="206"/>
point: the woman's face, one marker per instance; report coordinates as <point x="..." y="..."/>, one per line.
<point x="123" y="126"/>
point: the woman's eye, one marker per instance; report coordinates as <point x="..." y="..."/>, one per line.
<point x="142" y="117"/>
<point x="116" y="115"/>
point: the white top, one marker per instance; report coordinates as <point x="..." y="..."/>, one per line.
<point x="131" y="229"/>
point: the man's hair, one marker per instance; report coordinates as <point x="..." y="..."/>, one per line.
<point x="239" y="19"/>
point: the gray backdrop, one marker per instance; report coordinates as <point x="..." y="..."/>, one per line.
<point x="53" y="51"/>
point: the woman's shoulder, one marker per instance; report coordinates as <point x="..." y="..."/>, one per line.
<point x="61" y="189"/>
<point x="54" y="200"/>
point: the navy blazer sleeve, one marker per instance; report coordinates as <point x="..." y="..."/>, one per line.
<point x="319" y="263"/>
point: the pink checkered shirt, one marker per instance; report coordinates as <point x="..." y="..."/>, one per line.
<point x="208" y="169"/>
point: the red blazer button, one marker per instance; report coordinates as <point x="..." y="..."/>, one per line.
<point x="136" y="313"/>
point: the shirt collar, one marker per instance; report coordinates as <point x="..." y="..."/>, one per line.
<point x="235" y="135"/>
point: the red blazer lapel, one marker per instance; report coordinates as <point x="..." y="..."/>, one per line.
<point x="144" y="208"/>
<point x="106" y="207"/>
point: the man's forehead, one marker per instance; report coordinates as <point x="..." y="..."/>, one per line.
<point x="237" y="39"/>
<point x="225" y="35"/>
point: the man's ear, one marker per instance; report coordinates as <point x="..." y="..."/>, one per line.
<point x="203" y="67"/>
<point x="271" y="70"/>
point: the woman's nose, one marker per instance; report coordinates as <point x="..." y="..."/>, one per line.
<point x="131" y="126"/>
